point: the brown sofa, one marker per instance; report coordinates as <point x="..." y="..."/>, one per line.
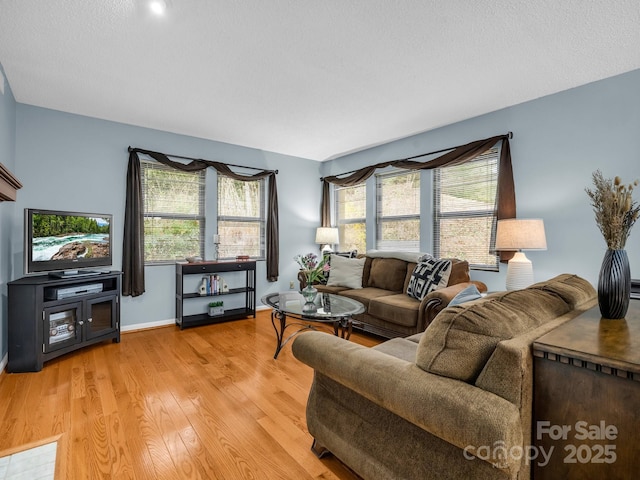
<point x="452" y="402"/>
<point x="390" y="312"/>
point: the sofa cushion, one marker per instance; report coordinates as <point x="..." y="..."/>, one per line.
<point x="399" y="348"/>
<point x="345" y="272"/>
<point x="399" y="309"/>
<point x="461" y="338"/>
<point x="429" y="275"/>
<point x="388" y="274"/>
<point x="365" y="295"/>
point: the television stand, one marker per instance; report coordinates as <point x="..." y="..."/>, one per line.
<point x="44" y="324"/>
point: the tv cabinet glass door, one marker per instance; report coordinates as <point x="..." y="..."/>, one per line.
<point x="60" y="325"/>
<point x="101" y="316"/>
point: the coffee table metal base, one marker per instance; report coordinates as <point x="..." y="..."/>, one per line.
<point x="342" y="327"/>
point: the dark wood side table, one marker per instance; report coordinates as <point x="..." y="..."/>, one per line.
<point x="587" y="398"/>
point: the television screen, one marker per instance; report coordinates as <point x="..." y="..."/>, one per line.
<point x="57" y="240"/>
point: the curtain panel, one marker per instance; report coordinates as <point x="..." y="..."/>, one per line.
<point x="133" y="248"/>
<point x="505" y="197"/>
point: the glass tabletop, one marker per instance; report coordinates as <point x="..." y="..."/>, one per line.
<point x="326" y="306"/>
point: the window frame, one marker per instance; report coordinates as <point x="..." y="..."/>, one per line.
<point x="380" y="219"/>
<point x="490" y="156"/>
<point x="262" y="219"/>
<point x="350" y="221"/>
<point x="146" y="165"/>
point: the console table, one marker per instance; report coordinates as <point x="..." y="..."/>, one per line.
<point x="587" y="398"/>
<point x="241" y="276"/>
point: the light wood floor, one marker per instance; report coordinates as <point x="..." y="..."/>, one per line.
<point x="207" y="402"/>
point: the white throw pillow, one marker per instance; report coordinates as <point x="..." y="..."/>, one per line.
<point x="346" y="272"/>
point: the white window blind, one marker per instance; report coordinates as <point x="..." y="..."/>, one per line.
<point x="398" y="211"/>
<point x="241" y="218"/>
<point x="173" y="213"/>
<point x="465" y="211"/>
<point x="351" y="214"/>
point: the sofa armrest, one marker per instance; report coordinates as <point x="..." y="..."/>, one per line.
<point x="461" y="414"/>
<point x="437" y="300"/>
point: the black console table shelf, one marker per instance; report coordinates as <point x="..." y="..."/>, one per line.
<point x="238" y="272"/>
<point x="230" y="292"/>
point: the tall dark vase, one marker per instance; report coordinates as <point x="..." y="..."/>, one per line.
<point x="614" y="284"/>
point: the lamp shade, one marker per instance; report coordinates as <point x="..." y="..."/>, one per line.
<point x="327" y="235"/>
<point x="520" y="234"/>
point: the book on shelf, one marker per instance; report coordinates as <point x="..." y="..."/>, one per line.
<point x="213" y="285"/>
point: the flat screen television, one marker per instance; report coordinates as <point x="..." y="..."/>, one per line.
<point x="58" y="241"/>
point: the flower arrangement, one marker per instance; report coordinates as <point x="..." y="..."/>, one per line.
<point x="615" y="210"/>
<point x="312" y="268"/>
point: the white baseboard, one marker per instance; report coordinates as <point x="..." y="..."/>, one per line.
<point x="163" y="323"/>
<point x="147" y="325"/>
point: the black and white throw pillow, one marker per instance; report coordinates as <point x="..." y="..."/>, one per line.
<point x="429" y="275"/>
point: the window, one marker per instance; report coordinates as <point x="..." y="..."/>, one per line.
<point x="241" y="217"/>
<point x="398" y="211"/>
<point x="351" y="213"/>
<point x="173" y="213"/>
<point x="465" y="211"/>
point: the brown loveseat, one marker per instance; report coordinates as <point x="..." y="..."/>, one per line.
<point x="453" y="402"/>
<point x="390" y="312"/>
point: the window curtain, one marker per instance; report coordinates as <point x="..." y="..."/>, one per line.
<point x="133" y="248"/>
<point x="505" y="198"/>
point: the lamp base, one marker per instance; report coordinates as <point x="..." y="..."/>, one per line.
<point x="519" y="272"/>
<point x="326" y="249"/>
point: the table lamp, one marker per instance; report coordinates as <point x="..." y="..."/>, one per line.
<point x="516" y="234"/>
<point x="327" y="236"/>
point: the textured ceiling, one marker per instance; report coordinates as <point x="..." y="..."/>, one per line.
<point x="313" y="79"/>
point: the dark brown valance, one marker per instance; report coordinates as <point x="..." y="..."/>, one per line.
<point x="505" y="197"/>
<point x="133" y="250"/>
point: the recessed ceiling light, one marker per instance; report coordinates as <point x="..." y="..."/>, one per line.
<point x="158" y="6"/>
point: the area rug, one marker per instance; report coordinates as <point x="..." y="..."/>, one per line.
<point x="35" y="461"/>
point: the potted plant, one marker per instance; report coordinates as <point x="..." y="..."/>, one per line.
<point x="216" y="308"/>
<point x="313" y="270"/>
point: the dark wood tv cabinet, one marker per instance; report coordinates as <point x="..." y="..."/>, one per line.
<point x="587" y="398"/>
<point x="49" y="317"/>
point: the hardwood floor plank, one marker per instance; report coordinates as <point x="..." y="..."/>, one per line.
<point x="201" y="403"/>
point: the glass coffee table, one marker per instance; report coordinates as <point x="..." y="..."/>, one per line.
<point x="326" y="308"/>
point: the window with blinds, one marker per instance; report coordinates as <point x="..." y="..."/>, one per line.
<point x="465" y="211"/>
<point x="173" y="213"/>
<point x="351" y="214"/>
<point x="241" y="218"/>
<point x="398" y="211"/>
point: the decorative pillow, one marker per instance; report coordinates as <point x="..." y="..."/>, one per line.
<point x="466" y="295"/>
<point x="324" y="276"/>
<point x="346" y="272"/>
<point x="429" y="275"/>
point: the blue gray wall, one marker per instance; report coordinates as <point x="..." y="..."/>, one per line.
<point x="559" y="140"/>
<point x="7" y="158"/>
<point x="72" y="162"/>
